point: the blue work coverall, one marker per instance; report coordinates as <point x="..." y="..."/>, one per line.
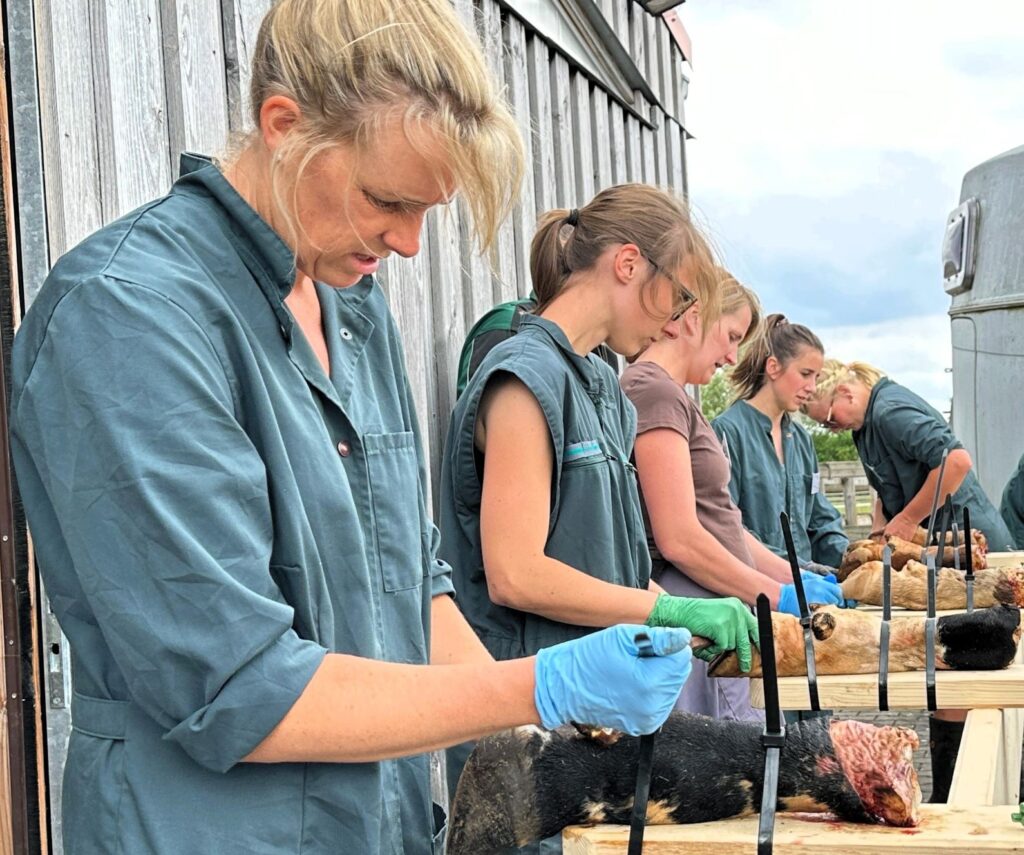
<point x="901" y="442"/>
<point x="762" y="487"/>
<point x="213" y="514"/>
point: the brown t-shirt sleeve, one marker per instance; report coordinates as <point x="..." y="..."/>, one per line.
<point x="660" y="402"/>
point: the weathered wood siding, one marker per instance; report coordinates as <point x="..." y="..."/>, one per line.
<point x="125" y="85"/>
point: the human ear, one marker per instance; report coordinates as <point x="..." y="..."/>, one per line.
<point x="772" y="368"/>
<point x="627" y="262"/>
<point x="279" y="114"/>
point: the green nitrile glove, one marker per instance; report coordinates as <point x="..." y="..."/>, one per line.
<point x="727" y="622"/>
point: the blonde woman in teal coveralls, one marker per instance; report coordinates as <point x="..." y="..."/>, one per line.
<point x="218" y="455"/>
<point x="900" y="439"/>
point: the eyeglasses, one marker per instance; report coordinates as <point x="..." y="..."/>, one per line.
<point x="829" y="422"/>
<point x="689" y="298"/>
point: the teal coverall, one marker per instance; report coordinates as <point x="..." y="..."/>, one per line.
<point x="762" y="487"/>
<point x="1011" y="509"/>
<point x="596" y="524"/>
<point x="213" y="514"/>
<point x="901" y="442"/>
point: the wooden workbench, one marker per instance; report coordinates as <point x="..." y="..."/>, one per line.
<point x="954" y="690"/>
<point x="1004" y="559"/>
<point x="944" y="829"/>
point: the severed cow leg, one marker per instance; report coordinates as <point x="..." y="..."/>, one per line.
<point x="861" y="552"/>
<point x="846" y="641"/>
<point x="910" y="586"/>
<point x="526" y="784"/>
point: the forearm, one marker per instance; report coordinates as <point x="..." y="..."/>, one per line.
<point x="544" y="586"/>
<point x="712" y="566"/>
<point x="767" y="562"/>
<point x="357" y="710"/>
<point x="452" y="640"/>
<point x="921" y="505"/>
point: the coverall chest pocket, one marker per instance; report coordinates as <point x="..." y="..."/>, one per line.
<point x="394" y="485"/>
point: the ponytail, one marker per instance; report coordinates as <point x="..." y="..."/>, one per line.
<point x="655" y="220"/>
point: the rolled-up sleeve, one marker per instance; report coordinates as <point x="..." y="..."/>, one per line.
<point x="917" y="435"/>
<point x="128" y="421"/>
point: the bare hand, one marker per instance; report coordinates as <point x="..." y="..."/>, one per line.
<point x="900" y="526"/>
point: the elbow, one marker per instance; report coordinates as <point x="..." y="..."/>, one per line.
<point x="959" y="461"/>
<point x="505" y="588"/>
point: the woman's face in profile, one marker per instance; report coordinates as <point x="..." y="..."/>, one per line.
<point x="720" y="346"/>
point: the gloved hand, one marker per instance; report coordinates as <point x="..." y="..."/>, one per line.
<point x="813" y="568"/>
<point x="819" y="589"/>
<point x="727" y="622"/>
<point x="601" y="679"/>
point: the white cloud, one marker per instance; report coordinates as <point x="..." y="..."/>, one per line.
<point x="831" y="143"/>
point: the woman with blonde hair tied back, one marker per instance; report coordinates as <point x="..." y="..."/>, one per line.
<point x="900" y="439"/>
<point x="217" y="450"/>
<point x="695" y="532"/>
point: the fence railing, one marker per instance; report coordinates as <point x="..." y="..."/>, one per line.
<point x="846" y="486"/>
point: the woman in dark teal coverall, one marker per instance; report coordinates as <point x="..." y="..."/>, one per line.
<point x="540" y="509"/>
<point x="900" y="439"/>
<point x="218" y="454"/>
<point x="773" y="464"/>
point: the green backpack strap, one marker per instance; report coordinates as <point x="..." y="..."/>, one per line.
<point x="496" y="325"/>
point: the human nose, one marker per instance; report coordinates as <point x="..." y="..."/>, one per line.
<point x="731" y="356"/>
<point x="403" y="237"/>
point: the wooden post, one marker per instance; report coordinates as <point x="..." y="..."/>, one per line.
<point x="850" y="500"/>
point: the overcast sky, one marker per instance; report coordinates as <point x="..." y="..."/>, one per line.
<point x="831" y="142"/>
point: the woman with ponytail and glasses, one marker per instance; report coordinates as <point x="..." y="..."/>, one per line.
<point x="773" y="464"/>
<point x="695" y="531"/>
<point x="540" y="512"/>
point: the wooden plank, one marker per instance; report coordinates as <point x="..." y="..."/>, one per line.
<point x="637" y="35"/>
<point x="660" y="149"/>
<point x="477" y="295"/>
<point x="582" y="134"/>
<point x="524" y="217"/>
<point x="649" y="167"/>
<point x="542" y="133"/>
<point x="943" y="829"/>
<point x="600" y="141"/>
<point x="634" y="157"/>
<point x="1009" y="765"/>
<point x="503" y="257"/>
<point x="566" y="192"/>
<point x="448" y="309"/>
<point x="954" y="690"/>
<point x="1004" y="559"/>
<point x="135" y="160"/>
<point x="621" y="25"/>
<point x="68" y="124"/>
<point x="240" y="24"/>
<point x="649" y="66"/>
<point x="620" y="165"/>
<point x="974" y="776"/>
<point x="676" y="162"/>
<point x="669" y="58"/>
<point x="197" y="109"/>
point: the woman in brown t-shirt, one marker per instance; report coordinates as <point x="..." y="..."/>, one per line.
<point x="695" y="531"/>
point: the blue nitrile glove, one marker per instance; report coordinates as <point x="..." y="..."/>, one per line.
<point x="602" y="680"/>
<point x="817" y="589"/>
